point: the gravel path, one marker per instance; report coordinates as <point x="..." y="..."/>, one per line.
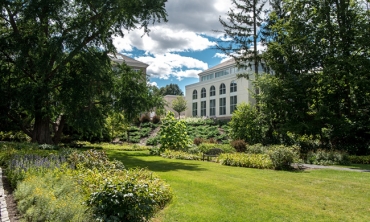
<point x="312" y="166"/>
<point x="4" y="217"/>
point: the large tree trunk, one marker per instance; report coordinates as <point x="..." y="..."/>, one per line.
<point x="41" y="132"/>
<point x="58" y="129"/>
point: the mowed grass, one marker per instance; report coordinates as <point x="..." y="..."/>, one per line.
<point x="207" y="191"/>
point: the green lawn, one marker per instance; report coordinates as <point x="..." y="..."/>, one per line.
<point x="206" y="191"/>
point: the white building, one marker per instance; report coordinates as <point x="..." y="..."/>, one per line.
<point x="219" y="91"/>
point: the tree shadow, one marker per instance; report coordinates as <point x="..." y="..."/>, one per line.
<point x="132" y="161"/>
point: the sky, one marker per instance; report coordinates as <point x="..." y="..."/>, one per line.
<point x="176" y="51"/>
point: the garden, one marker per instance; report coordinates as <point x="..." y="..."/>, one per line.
<point x="169" y="181"/>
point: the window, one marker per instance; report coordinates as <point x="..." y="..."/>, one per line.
<point x="233" y="102"/>
<point x="233" y="87"/>
<point x="212" y="107"/>
<point x="212" y="91"/>
<point x="203" y="93"/>
<point x="195" y="94"/>
<point x="222" y="73"/>
<point x="195" y="109"/>
<point x="222" y="106"/>
<point x="207" y="77"/>
<point x="203" y="108"/>
<point x="222" y="89"/>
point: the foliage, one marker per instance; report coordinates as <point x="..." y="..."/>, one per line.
<point x="283" y="156"/>
<point x="153" y="141"/>
<point x="174" y="134"/>
<point x="156" y="119"/>
<point x="260" y="161"/>
<point x="359" y="159"/>
<point x="133" y="195"/>
<point x="18" y="136"/>
<point x="327" y="157"/>
<point x="242" y="29"/>
<point x="247" y="124"/>
<point x="257" y="148"/>
<point x="155" y="151"/>
<point x="54" y="54"/>
<point x="171" y="154"/>
<point x="115" y="124"/>
<point x="93" y="159"/>
<point x="196" y="121"/>
<point x="226" y="148"/>
<point x="51" y="196"/>
<point x="320" y="56"/>
<point x="239" y="145"/>
<point x="145" y="118"/>
<point x="179" y="104"/>
<point x="197" y="141"/>
<point x="171" y="89"/>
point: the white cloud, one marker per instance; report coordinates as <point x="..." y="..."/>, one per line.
<point x="164" y="66"/>
<point x="153" y="84"/>
<point x="220" y="55"/>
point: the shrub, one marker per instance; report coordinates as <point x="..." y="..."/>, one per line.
<point x="16" y="136"/>
<point x="239" y="145"/>
<point x="174" y="134"/>
<point x="227" y="148"/>
<point x="93" y="159"/>
<point x="257" y="148"/>
<point x="212" y="140"/>
<point x="247" y="124"/>
<point x="325" y="157"/>
<point x="283" y="156"/>
<point x="51" y="196"/>
<point x="156" y="119"/>
<point x="171" y="154"/>
<point x="155" y="151"/>
<point x="145" y="118"/>
<point x="153" y="141"/>
<point x="197" y="141"/>
<point x="261" y="161"/>
<point x="133" y="195"/>
<point x="359" y="159"/>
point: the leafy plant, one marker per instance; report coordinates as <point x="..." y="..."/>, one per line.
<point x="261" y="161"/>
<point x="239" y="145"/>
<point x="171" y="154"/>
<point x="283" y="156"/>
<point x="327" y="157"/>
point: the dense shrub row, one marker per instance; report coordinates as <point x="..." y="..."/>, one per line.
<point x="359" y="159"/>
<point x="327" y="157"/>
<point x="171" y="154"/>
<point x="260" y="161"/>
<point x="81" y="186"/>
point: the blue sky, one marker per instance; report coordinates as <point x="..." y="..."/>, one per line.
<point x="178" y="50"/>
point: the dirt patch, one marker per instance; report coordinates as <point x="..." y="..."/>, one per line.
<point x="13" y="213"/>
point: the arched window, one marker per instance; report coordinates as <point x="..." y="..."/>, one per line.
<point x="203" y="93"/>
<point x="195" y="94"/>
<point x="233" y="87"/>
<point x="212" y="91"/>
<point x="222" y="89"/>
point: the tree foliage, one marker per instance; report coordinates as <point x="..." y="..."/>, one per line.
<point x="320" y="56"/>
<point x="171" y="89"/>
<point x="54" y="64"/>
<point x="174" y="134"/>
<point x="179" y="104"/>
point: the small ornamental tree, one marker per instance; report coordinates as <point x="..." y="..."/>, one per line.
<point x="179" y="105"/>
<point x="174" y="134"/>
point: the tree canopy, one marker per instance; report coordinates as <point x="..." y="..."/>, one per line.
<point x="179" y="104"/>
<point x="54" y="64"/>
<point x="171" y="89"/>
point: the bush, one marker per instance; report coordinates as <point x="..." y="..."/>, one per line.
<point x="260" y="161"/>
<point x="239" y="145"/>
<point x="283" y="156"/>
<point x="197" y="141"/>
<point x="133" y="195"/>
<point x="51" y="196"/>
<point x="171" y="154"/>
<point x="226" y="148"/>
<point x="359" y="159"/>
<point x="257" y="148"/>
<point x="145" y="118"/>
<point x="325" y="157"/>
<point x="155" y="151"/>
<point x="156" y="119"/>
<point x="15" y="136"/>
<point x="174" y="134"/>
<point x="93" y="159"/>
<point x="212" y="140"/>
<point x="153" y="141"/>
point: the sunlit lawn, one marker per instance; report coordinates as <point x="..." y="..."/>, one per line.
<point x="207" y="191"/>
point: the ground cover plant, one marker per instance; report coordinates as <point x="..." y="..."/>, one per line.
<point x="71" y="185"/>
<point x="205" y="191"/>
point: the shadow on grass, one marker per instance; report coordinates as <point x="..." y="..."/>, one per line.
<point x="132" y="159"/>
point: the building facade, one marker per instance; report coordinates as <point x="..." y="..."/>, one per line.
<point x="135" y="65"/>
<point x="219" y="91"/>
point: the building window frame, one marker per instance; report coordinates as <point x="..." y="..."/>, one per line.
<point x="233" y="103"/>
<point x="222" y="106"/>
<point x="212" y="107"/>
<point x="195" y="94"/>
<point x="222" y="89"/>
<point x="203" y="108"/>
<point x="195" y="109"/>
<point x="212" y="91"/>
<point x="233" y="87"/>
<point x="203" y="93"/>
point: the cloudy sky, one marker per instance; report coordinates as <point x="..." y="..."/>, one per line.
<point x="178" y="50"/>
